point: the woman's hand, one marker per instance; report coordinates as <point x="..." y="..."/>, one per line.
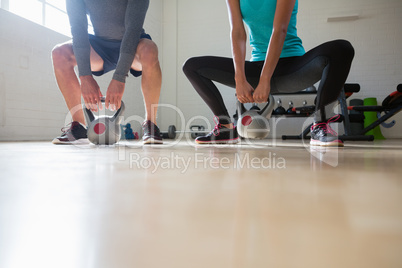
<point x="261" y="93"/>
<point x="244" y="92"/>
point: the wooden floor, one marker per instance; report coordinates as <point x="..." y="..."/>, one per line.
<point x="264" y="204"/>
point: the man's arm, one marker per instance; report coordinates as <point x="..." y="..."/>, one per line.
<point x="134" y="22"/>
<point x="76" y="11"/>
<point x="90" y="90"/>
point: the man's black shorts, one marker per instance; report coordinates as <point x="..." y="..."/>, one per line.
<point x="109" y="51"/>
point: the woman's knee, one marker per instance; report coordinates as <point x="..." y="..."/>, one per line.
<point x="191" y="65"/>
<point x="344" y="49"/>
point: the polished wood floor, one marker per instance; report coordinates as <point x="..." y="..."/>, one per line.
<point x="264" y="204"/>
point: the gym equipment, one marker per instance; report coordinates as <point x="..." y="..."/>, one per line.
<point x="356" y="117"/>
<point x="255" y="107"/>
<point x="170" y="134"/>
<point x="279" y="110"/>
<point x="104" y="129"/>
<point x="129" y="133"/>
<point x="370" y="117"/>
<point x="253" y="123"/>
<point x="305" y="110"/>
<point x="311" y="89"/>
<point x="195" y="130"/>
<point x="391" y="105"/>
<point x="290" y="109"/>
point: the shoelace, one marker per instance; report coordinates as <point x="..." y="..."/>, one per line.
<point x="149" y="127"/>
<point x="326" y="127"/>
<point x="216" y="130"/>
<point x="66" y="128"/>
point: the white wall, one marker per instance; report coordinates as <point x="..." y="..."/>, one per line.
<point x="376" y="37"/>
<point x="31" y="105"/>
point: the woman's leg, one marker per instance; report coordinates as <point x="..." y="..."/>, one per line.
<point x="202" y="71"/>
<point x="329" y="62"/>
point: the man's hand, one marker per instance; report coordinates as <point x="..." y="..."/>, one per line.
<point x="91" y="93"/>
<point x="261" y="93"/>
<point x="114" y="94"/>
<point x="244" y="92"/>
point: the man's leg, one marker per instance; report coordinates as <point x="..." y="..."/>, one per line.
<point x="63" y="63"/>
<point x="146" y="60"/>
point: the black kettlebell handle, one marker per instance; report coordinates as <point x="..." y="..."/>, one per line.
<point x="268" y="108"/>
<point x="118" y="113"/>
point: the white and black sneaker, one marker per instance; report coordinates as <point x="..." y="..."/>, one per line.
<point x="219" y="135"/>
<point x="73" y="133"/>
<point x="151" y="134"/>
<point x="323" y="135"/>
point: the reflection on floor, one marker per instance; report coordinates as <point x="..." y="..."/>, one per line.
<point x="260" y="204"/>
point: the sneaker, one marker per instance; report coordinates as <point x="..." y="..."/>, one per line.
<point x="323" y="135"/>
<point x="152" y="134"/>
<point x="219" y="135"/>
<point x="73" y="133"/>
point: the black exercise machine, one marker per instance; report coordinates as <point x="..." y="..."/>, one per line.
<point x="390" y="106"/>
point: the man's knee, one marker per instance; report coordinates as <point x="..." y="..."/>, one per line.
<point x="148" y="53"/>
<point x="63" y="54"/>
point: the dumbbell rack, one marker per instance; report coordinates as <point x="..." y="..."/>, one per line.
<point x="304" y="111"/>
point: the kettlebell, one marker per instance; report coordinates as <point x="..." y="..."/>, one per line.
<point x="279" y="110"/>
<point x="104" y="129"/>
<point x="253" y="123"/>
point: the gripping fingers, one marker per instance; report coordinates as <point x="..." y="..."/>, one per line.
<point x="100" y="102"/>
<point x="86" y="103"/>
<point x="94" y="104"/>
<point x="112" y="105"/>
<point x="109" y="103"/>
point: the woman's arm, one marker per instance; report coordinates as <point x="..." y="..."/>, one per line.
<point x="239" y="38"/>
<point x="283" y="13"/>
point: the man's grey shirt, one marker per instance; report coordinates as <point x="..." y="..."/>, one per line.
<point x="121" y="20"/>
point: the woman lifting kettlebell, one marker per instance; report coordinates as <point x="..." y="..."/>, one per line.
<point x="279" y="64"/>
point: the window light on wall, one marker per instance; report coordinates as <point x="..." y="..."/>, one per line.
<point x="49" y="13"/>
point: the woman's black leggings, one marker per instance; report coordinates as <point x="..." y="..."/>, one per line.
<point x="329" y="62"/>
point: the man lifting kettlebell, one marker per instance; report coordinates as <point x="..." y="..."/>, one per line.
<point x="119" y="43"/>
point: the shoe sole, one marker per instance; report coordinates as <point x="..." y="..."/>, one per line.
<point x="233" y="141"/>
<point x="152" y="141"/>
<point x="336" y="143"/>
<point x="76" y="142"/>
